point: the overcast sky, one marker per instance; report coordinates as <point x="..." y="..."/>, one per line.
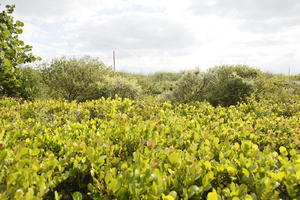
<point x="166" y="35"/>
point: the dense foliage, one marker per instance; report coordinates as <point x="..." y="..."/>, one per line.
<point x="88" y="78"/>
<point x="114" y="135"/>
<point x="221" y="85"/>
<point x="73" y="79"/>
<point x="118" y="86"/>
<point x="13" y="52"/>
<point x="124" y="149"/>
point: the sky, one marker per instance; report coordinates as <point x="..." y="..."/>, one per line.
<point x="166" y="35"/>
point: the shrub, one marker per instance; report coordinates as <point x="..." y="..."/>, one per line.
<point x="120" y="86"/>
<point x="190" y="87"/>
<point x="223" y="85"/>
<point x="135" y="149"/>
<point x="34" y="83"/>
<point x="229" y="85"/>
<point x="73" y="79"/>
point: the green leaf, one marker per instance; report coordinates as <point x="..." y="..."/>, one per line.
<point x="293" y="152"/>
<point x="168" y="197"/>
<point x="56" y="196"/>
<point x="207" y="178"/>
<point x="173" y="194"/>
<point x="19" y="23"/>
<point x="298" y="175"/>
<point x="175" y="158"/>
<point x="30" y="194"/>
<point x="193" y="190"/>
<point x="207" y="165"/>
<point x="77" y="196"/>
<point x="248" y="197"/>
<point x="212" y="195"/>
<point x="246" y="172"/>
<point x="283" y="151"/>
<point x="19" y="31"/>
<point x="6" y="62"/>
<point x="19" y="194"/>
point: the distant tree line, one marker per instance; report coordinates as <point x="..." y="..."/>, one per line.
<point x="86" y="78"/>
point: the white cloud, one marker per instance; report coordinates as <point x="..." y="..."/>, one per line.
<point x="32" y="32"/>
<point x="166" y="35"/>
<point x="133" y="31"/>
<point x="251" y="9"/>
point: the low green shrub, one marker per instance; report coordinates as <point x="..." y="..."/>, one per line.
<point x="134" y="149"/>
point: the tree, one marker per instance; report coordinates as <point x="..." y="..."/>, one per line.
<point x="231" y="84"/>
<point x="74" y="79"/>
<point x="120" y="86"/>
<point x="221" y="85"/>
<point x="13" y="52"/>
<point x="34" y="82"/>
<point x="190" y="87"/>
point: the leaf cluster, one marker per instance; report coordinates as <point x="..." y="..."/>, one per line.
<point x="136" y="149"/>
<point x="13" y="52"/>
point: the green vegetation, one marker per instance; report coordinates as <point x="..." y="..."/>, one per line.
<point x="13" y="52"/>
<point x="74" y="129"/>
<point x="73" y="79"/>
<point x="88" y="78"/>
<point x="124" y="149"/>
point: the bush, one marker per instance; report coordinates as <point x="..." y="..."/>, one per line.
<point x="190" y="87"/>
<point x="223" y="85"/>
<point x="73" y="79"/>
<point x="34" y="83"/>
<point x="229" y="85"/>
<point x="120" y="86"/>
<point x="125" y="149"/>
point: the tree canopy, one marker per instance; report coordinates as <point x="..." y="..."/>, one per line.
<point x="13" y="52"/>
